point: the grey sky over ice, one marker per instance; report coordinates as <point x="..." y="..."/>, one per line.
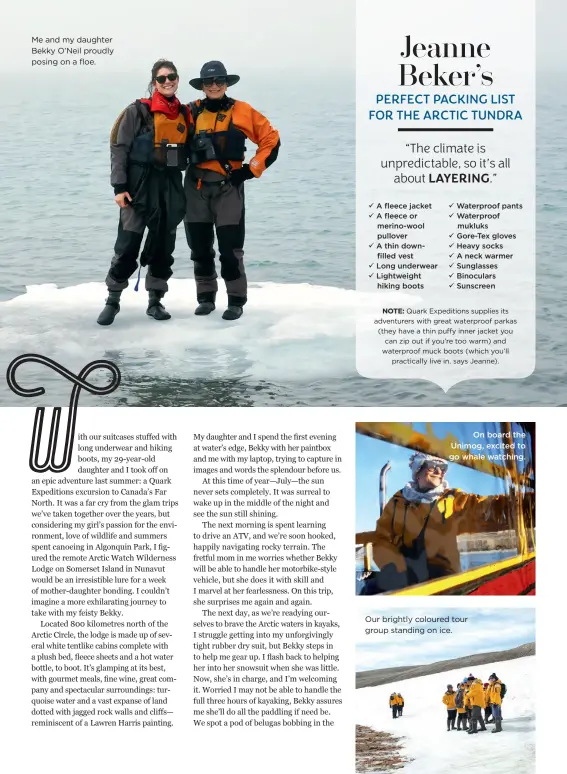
<point x="248" y="35"/>
<point x="251" y="35"/>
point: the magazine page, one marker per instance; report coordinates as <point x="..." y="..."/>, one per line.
<point x="345" y="218"/>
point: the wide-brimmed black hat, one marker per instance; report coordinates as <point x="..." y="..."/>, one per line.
<point x="212" y="70"/>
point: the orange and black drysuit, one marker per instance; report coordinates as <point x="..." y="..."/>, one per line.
<point x="417" y="541"/>
<point x="217" y="151"/>
<point x="148" y="153"/>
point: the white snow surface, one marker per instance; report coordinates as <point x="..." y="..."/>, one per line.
<point x="298" y="331"/>
<point x="423" y="725"/>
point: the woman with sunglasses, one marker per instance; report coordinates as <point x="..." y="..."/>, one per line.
<point x="416" y="535"/>
<point x="148" y="153"/>
<point x="214" y="185"/>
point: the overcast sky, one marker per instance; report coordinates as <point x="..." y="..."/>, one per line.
<point x="248" y="35"/>
<point x="251" y="35"/>
<point x="487" y="629"/>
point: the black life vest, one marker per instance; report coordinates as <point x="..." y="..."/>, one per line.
<point x="228" y="141"/>
<point x="169" y="150"/>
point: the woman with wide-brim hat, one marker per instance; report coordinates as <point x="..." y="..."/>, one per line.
<point x="214" y="185"/>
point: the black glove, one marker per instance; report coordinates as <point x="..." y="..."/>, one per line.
<point x="238" y="176"/>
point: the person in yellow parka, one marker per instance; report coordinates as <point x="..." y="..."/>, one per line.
<point x="416" y="535"/>
<point x="488" y="706"/>
<point x="495" y="698"/>
<point x="400" y="705"/>
<point x="476" y="700"/>
<point x="461" y="710"/>
<point x="467" y="682"/>
<point x="394" y="705"/>
<point x="449" y="701"/>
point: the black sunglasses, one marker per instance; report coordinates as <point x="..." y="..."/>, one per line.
<point x="168" y="77"/>
<point x="220" y="80"/>
<point x="442" y="466"/>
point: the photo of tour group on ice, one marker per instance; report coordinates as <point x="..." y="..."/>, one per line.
<point x="440" y="688"/>
<point x="445" y="508"/>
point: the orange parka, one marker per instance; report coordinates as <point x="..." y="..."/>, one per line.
<point x="229" y="129"/>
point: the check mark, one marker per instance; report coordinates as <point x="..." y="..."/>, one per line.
<point x="450" y="275"/>
<point x="370" y="214"/>
<point x="451" y="285"/>
<point x="451" y="265"/>
<point x="371" y="205"/>
<point x="371" y="243"/>
<point x="451" y="255"/>
<point x="451" y="205"/>
<point x="451" y="235"/>
<point x="370" y="265"/>
<point x="371" y="275"/>
<point x="451" y="215"/>
<point x="451" y="245"/>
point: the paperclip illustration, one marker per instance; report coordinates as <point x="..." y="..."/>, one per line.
<point x="79" y="383"/>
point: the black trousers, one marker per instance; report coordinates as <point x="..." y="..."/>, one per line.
<point x="451" y="717"/>
<point x="395" y="711"/>
<point x="462" y="720"/>
<point x="157" y="208"/>
<point x="477" y="719"/>
<point x="213" y="206"/>
<point x="158" y="255"/>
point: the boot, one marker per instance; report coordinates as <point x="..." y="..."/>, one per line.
<point x="155" y="307"/>
<point x="473" y="729"/>
<point x="111" y="308"/>
<point x="206" y="303"/>
<point x="498" y="724"/>
<point x="448" y="724"/>
<point x="234" y="309"/>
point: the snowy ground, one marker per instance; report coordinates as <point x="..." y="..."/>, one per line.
<point x="426" y="740"/>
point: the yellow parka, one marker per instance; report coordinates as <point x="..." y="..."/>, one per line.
<point x="400" y="699"/>
<point x="406" y="527"/>
<point x="494" y="692"/>
<point x="393" y="700"/>
<point x="476" y="696"/>
<point x="449" y="700"/>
